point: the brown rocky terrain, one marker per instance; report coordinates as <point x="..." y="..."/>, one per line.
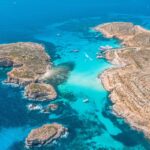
<point x="30" y="63"/>
<point x="40" y="92"/>
<point x="45" y="135"/>
<point x="130" y="35"/>
<point x="31" y="67"/>
<point x="129" y="80"/>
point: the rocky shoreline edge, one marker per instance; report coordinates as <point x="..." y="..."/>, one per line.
<point x="29" y="63"/>
<point x="129" y="80"/>
<point x="31" y="67"/>
<point x="45" y="135"/>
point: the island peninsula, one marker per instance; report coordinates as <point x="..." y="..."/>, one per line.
<point x="30" y="64"/>
<point x="129" y="80"/>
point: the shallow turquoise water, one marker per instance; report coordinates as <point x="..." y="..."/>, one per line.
<point x="92" y="125"/>
<point x="83" y="81"/>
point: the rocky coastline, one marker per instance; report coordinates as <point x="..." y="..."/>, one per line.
<point x="45" y="135"/>
<point x="31" y="67"/>
<point x="29" y="63"/>
<point x="129" y="80"/>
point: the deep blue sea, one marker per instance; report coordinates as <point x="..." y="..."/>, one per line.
<point x="62" y="26"/>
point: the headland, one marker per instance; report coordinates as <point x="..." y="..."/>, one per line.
<point x="129" y="80"/>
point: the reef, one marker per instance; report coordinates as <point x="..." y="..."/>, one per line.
<point x="50" y="108"/>
<point x="128" y="80"/>
<point x="30" y="64"/>
<point x="45" y="135"/>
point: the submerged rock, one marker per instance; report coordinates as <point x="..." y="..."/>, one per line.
<point x="53" y="107"/>
<point x="129" y="81"/>
<point x="59" y="74"/>
<point x="45" y="135"/>
<point x="50" y="108"/>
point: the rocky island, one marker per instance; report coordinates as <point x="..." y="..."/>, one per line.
<point x="40" y="91"/>
<point x="30" y="64"/>
<point x="45" y="135"/>
<point x="31" y="67"/>
<point x="129" y="81"/>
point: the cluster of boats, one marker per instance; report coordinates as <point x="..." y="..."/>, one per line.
<point x="99" y="54"/>
<point x="102" y="50"/>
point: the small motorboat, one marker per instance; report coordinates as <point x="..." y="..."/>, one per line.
<point x="88" y="57"/>
<point x="75" y="50"/>
<point x="104" y="48"/>
<point x="86" y="100"/>
<point x="99" y="56"/>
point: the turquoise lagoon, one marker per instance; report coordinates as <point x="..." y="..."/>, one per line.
<point x="91" y="125"/>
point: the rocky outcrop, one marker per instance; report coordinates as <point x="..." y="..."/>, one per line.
<point x="45" y="135"/>
<point x="40" y="92"/>
<point x="29" y="63"/>
<point x="130" y="35"/>
<point x="129" y="81"/>
<point x="50" y="108"/>
<point x="53" y="107"/>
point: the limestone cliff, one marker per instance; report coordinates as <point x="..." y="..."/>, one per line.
<point x="129" y="81"/>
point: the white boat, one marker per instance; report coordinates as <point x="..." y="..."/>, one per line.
<point x="86" y="100"/>
<point x="99" y="56"/>
<point x="104" y="48"/>
<point x="88" y="57"/>
<point x="75" y="51"/>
